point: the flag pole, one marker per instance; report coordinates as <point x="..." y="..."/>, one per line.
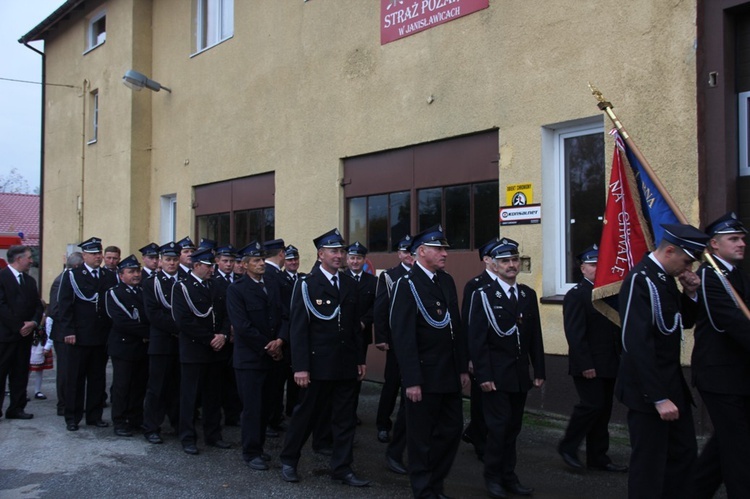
<point x="606" y="106"/>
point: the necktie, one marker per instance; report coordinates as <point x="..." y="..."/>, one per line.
<point x="294" y="277"/>
<point x="513" y="299"/>
<point x="20" y="279"/>
<point x="95" y="273"/>
<point x="334" y="281"/>
<point x="263" y="286"/>
<point x="228" y="278"/>
<point x="435" y="279"/>
<point x="356" y="278"/>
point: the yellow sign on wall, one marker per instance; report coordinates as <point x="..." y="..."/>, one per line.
<point x="518" y="194"/>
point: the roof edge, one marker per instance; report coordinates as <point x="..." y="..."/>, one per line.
<point x="37" y="33"/>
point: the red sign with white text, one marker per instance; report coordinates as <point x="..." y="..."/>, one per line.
<point x="401" y="18"/>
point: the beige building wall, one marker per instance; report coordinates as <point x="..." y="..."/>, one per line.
<point x="300" y="86"/>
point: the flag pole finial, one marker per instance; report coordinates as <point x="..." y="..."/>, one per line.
<point x="606" y="106"/>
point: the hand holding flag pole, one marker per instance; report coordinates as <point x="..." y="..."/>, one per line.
<point x="606" y="106"/>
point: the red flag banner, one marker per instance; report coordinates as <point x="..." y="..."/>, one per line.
<point x="623" y="242"/>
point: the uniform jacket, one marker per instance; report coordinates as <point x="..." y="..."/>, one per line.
<point x="430" y="357"/>
<point x="593" y="340"/>
<point x="721" y="356"/>
<point x="650" y="364"/>
<point x="474" y="283"/>
<point x="366" y="289"/>
<point x="329" y="349"/>
<point x="157" y="301"/>
<point x="196" y="332"/>
<point x="84" y="316"/>
<point x="18" y="304"/>
<point x="506" y="359"/>
<point x="382" y="306"/>
<point x="128" y="339"/>
<point x="220" y="286"/>
<point x="257" y="318"/>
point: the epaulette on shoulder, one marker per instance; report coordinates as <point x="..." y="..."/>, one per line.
<point x="476" y="279"/>
<point x="484" y="286"/>
<point x="303" y="277"/>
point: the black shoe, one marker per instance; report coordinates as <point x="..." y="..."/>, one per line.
<point x="571" y="459"/>
<point x="266" y="456"/>
<point x="395" y="465"/>
<point x="383" y="436"/>
<point x="257" y="463"/>
<point x="496" y="490"/>
<point x="71" y="427"/>
<point x="289" y="473"/>
<point x="153" y="438"/>
<point x="220" y="444"/>
<point x="324" y="451"/>
<point x="271" y="433"/>
<point x="40" y="396"/>
<point x="231" y="422"/>
<point x="190" y="449"/>
<point x="352" y="480"/>
<point x="282" y="426"/>
<point x="519" y="489"/>
<point x="18" y="415"/>
<point x="98" y="424"/>
<point x="615" y="468"/>
<point x="123" y="432"/>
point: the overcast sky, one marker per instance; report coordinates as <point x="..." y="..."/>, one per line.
<point x="20" y="103"/>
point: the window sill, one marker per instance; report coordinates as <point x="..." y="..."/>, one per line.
<point x="209" y="47"/>
<point x="94" y="47"/>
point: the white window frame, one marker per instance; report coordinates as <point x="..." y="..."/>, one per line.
<point x="168" y="226"/>
<point x="743" y="132"/>
<point x="94" y="117"/>
<point x="220" y="25"/>
<point x="92" y="38"/>
<point x="554" y="265"/>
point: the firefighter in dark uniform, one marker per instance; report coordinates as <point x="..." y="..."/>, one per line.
<point x="431" y="351"/>
<point x="394" y="453"/>
<point x="85" y="327"/>
<point x="721" y="363"/>
<point x="593" y="356"/>
<point x="505" y="340"/>
<point x="150" y="258"/>
<point x="222" y="278"/>
<point x="476" y="431"/>
<point x="650" y="380"/>
<point x="291" y="275"/>
<point x="255" y="311"/>
<point x="187" y="247"/>
<point x="203" y="334"/>
<point x="128" y="348"/>
<point x="325" y="338"/>
<point x="163" y="389"/>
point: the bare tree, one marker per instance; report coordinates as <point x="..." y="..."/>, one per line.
<point x="14" y="182"/>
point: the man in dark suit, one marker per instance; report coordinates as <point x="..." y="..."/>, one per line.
<point x="255" y="311"/>
<point x="650" y="381"/>
<point x="325" y="338"/>
<point x="476" y="431"/>
<point x="150" y="258"/>
<point x="721" y="362"/>
<point x="292" y="274"/>
<point x="74" y="260"/>
<point x="394" y="453"/>
<point x="222" y="278"/>
<point x="505" y="339"/>
<point x="128" y="348"/>
<point x="85" y="328"/>
<point x="187" y="248"/>
<point x="203" y="333"/>
<point x="163" y="388"/>
<point x="20" y="314"/>
<point x="593" y="356"/>
<point x="431" y="351"/>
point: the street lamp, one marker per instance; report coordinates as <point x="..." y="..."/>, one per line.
<point x="136" y="81"/>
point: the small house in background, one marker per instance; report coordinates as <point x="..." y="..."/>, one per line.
<point x="19" y="224"/>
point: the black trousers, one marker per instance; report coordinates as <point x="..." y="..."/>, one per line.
<point x="61" y="352"/>
<point x="397" y="445"/>
<point x="662" y="454"/>
<point x="389" y="392"/>
<point x="14" y="367"/>
<point x="339" y="395"/>
<point x="590" y="420"/>
<point x="729" y="447"/>
<point x="86" y="379"/>
<point x="257" y="389"/>
<point x="503" y="412"/>
<point x="200" y="380"/>
<point x="162" y="393"/>
<point x="433" y="432"/>
<point x="277" y="377"/>
<point x="476" y="430"/>
<point x="129" y="380"/>
<point x="230" y="397"/>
